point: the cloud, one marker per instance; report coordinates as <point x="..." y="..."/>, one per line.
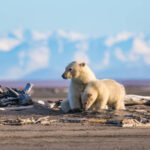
<point x="73" y="36"/>
<point x="34" y="53"/>
<point x="120" y="55"/>
<point x="18" y="33"/>
<point x="40" y="35"/>
<point x="142" y="49"/>
<point x="7" y="44"/>
<point x="118" y="38"/>
<point x="38" y="58"/>
<point x="30" y="61"/>
<point x="104" y="63"/>
<point x="76" y="36"/>
<point x="81" y="56"/>
<point x="81" y="52"/>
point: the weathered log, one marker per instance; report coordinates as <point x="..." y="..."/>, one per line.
<point x="129" y="101"/>
<point x="17" y="108"/>
<point x="129" y="123"/>
<point x="137" y="100"/>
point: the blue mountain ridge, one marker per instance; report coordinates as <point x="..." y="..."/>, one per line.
<point x="45" y="58"/>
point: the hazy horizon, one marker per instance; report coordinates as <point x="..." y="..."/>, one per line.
<point x="62" y="83"/>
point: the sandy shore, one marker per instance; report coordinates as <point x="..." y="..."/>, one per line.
<point x="74" y="136"/>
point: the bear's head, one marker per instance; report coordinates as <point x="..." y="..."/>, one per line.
<point x="88" y="97"/>
<point x="73" y="70"/>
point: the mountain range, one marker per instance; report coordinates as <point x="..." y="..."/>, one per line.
<point x="37" y="55"/>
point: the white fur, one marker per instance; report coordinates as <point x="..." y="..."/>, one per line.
<point x="77" y="86"/>
<point x="101" y="93"/>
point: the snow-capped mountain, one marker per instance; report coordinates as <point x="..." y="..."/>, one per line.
<point x="26" y="54"/>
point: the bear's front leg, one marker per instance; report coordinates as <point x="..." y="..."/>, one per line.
<point x="74" y="96"/>
<point x="65" y="106"/>
<point x="103" y="102"/>
<point x="75" y="102"/>
<point x="89" y="104"/>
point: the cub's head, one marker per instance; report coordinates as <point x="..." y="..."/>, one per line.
<point x="88" y="97"/>
<point x="73" y="70"/>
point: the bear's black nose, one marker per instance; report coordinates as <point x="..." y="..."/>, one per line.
<point x="63" y="76"/>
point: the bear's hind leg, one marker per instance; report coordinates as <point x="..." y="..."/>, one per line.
<point x="120" y="105"/>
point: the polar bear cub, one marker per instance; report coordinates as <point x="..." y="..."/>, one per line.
<point x="80" y="75"/>
<point x="102" y="93"/>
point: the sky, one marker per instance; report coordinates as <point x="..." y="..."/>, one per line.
<point x="91" y="17"/>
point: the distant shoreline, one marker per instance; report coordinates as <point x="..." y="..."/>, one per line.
<point x="62" y="83"/>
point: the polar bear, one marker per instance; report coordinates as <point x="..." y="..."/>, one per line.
<point x="80" y="75"/>
<point x="99" y="94"/>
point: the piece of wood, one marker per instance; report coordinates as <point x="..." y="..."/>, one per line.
<point x="16" y="108"/>
<point x="137" y="100"/>
<point x="128" y="123"/>
<point x="129" y="101"/>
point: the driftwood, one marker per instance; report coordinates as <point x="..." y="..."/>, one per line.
<point x="13" y="96"/>
<point x="20" y="121"/>
<point x="137" y="100"/>
<point x="17" y="108"/>
<point x="129" y="123"/>
<point x="129" y="100"/>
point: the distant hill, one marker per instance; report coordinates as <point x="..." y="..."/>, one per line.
<point x="29" y="55"/>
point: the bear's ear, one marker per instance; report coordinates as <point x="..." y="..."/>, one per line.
<point x="82" y="64"/>
<point x="89" y="95"/>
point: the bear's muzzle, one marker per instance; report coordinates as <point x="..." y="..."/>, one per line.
<point x="64" y="76"/>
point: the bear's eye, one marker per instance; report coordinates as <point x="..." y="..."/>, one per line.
<point x="89" y="94"/>
<point x="70" y="69"/>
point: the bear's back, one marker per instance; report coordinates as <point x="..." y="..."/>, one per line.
<point x="116" y="90"/>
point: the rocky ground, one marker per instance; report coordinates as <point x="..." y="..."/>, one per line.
<point x="39" y="127"/>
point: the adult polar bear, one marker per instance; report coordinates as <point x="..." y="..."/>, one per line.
<point x="80" y="75"/>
